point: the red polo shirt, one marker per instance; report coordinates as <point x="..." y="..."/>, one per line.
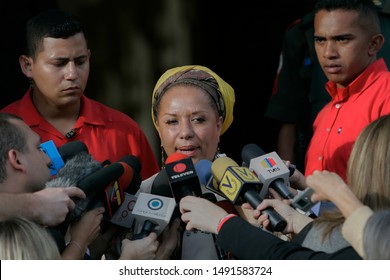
<point x="108" y="133"/>
<point x="339" y="123"/>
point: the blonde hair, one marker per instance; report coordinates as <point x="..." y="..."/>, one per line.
<point x="22" y="239"/>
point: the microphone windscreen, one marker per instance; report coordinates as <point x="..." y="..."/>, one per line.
<point x="70" y="149"/>
<point x="161" y="185"/>
<point x="251" y="151"/>
<point x="175" y="157"/>
<point x="203" y="169"/>
<point x="74" y="170"/>
<point x="220" y="165"/>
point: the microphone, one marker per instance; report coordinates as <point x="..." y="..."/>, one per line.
<point x="153" y="212"/>
<point x="62" y="154"/>
<point x="269" y="168"/>
<point x="182" y="176"/>
<point x="160" y="185"/>
<point x="75" y="169"/>
<point x="110" y="183"/>
<point x="71" y="134"/>
<point x="122" y="216"/>
<point x="147" y="228"/>
<point x="102" y="185"/>
<point x="175" y="157"/>
<point x="239" y="184"/>
<point x="203" y="169"/>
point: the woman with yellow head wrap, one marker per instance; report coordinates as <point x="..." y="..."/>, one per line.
<point x="191" y="108"/>
<point x="187" y="83"/>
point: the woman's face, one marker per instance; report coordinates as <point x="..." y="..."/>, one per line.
<point x="187" y="123"/>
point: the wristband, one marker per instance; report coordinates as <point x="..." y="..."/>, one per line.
<point x="223" y="220"/>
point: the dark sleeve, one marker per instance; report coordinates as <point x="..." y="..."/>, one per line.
<point x="289" y="99"/>
<point x="245" y="241"/>
<point x="300" y="237"/>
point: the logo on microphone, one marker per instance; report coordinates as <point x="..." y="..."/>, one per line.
<point x="155" y="204"/>
<point x="182" y="170"/>
<point x="179" y="167"/>
<point x="268" y="162"/>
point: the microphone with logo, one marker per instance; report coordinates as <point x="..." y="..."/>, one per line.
<point x="203" y="169"/>
<point x="152" y="213"/>
<point x="239" y="185"/>
<point x="161" y="183"/>
<point x="269" y="168"/>
<point x="102" y="185"/>
<point x="59" y="156"/>
<point x="184" y="181"/>
<point x="182" y="176"/>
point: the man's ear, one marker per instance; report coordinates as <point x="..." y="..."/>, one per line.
<point x="26" y="65"/>
<point x="376" y="44"/>
<point x="15" y="161"/>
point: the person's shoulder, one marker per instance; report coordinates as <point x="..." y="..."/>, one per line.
<point x="12" y="107"/>
<point x="15" y="106"/>
<point x="105" y="110"/>
<point x="112" y="117"/>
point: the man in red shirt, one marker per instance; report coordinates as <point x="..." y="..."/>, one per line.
<point x="347" y="39"/>
<point x="55" y="107"/>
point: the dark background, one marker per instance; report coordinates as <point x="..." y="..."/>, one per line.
<point x="134" y="41"/>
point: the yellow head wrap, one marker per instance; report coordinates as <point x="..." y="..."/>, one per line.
<point x="197" y="75"/>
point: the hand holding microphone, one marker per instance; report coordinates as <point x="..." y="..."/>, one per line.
<point x="240" y="185"/>
<point x="104" y="185"/>
<point x="269" y="168"/>
<point x="202" y="214"/>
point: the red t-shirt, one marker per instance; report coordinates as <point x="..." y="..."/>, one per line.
<point x="108" y="133"/>
<point x="339" y="123"/>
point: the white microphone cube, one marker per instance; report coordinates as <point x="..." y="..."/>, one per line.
<point x="268" y="168"/>
<point x="156" y="208"/>
<point x="123" y="216"/>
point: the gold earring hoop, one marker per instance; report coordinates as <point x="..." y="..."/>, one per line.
<point x="163" y="156"/>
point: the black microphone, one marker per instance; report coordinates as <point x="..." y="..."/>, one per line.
<point x="182" y="176"/>
<point x="160" y="185"/>
<point x="59" y="156"/>
<point x="147" y="228"/>
<point x="102" y="185"/>
<point x="269" y="168"/>
<point x="239" y="184"/>
<point x="110" y="183"/>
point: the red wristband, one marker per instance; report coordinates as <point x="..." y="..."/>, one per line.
<point x="223" y="220"/>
